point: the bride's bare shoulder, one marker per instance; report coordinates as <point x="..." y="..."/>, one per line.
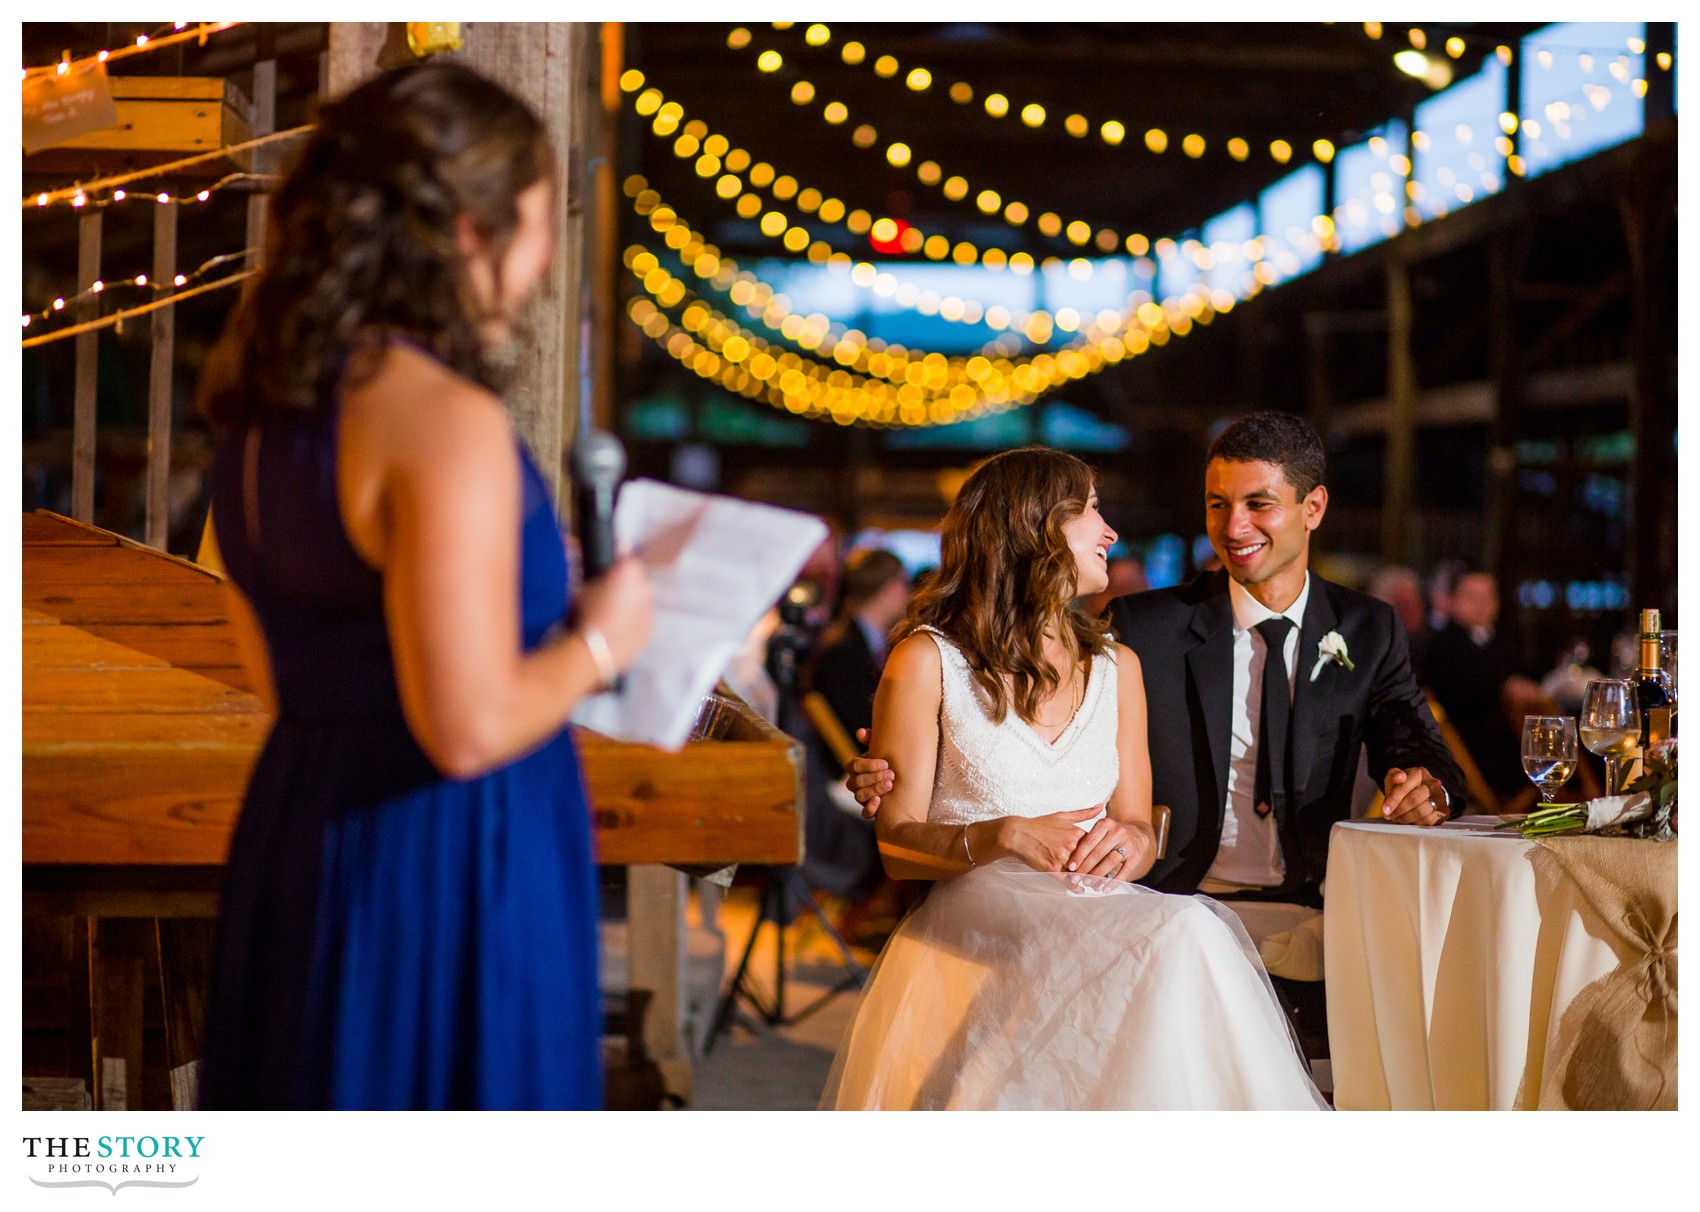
<point x="915" y="655"/>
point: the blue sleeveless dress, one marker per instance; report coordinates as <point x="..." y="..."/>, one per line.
<point x="389" y="937"/>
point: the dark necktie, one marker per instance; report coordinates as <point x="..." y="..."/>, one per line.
<point x="1274" y="720"/>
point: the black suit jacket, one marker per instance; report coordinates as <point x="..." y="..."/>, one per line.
<point x="1184" y="638"/>
<point x="1466" y="679"/>
<point x="846" y="674"/>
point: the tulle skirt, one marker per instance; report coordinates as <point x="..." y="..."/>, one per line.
<point x="1010" y="988"/>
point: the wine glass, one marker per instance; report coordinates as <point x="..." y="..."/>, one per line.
<point x="1549" y="752"/>
<point x="1611" y="724"/>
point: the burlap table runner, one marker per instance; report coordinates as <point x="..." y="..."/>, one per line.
<point x="1615" y="1048"/>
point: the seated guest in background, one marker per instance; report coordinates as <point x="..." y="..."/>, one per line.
<point x="1127" y="575"/>
<point x="847" y="664"/>
<point x="1440" y="584"/>
<point x="1402" y="589"/>
<point x="841" y="856"/>
<point x="1474" y="677"/>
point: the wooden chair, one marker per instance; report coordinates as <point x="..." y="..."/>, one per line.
<point x="1476" y="786"/>
<point x="830" y="728"/>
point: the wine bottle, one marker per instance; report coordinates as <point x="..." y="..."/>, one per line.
<point x="1652" y="685"/>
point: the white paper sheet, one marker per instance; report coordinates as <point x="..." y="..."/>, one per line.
<point x="715" y="565"/>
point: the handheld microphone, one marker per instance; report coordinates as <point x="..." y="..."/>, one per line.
<point x="597" y="464"/>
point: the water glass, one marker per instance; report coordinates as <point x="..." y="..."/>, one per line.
<point x="1549" y="752"/>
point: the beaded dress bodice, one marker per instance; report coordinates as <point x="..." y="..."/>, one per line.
<point x="986" y="770"/>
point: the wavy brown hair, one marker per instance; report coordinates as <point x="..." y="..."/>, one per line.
<point x="362" y="245"/>
<point x="1006" y="576"/>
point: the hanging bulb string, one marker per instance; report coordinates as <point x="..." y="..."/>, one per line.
<point x="143" y="45"/>
<point x="103" y="183"/>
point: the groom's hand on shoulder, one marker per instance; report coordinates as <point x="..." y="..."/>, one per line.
<point x="868" y="779"/>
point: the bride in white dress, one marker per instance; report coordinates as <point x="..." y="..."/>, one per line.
<point x="1034" y="975"/>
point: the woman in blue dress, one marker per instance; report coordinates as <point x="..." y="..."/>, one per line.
<point x="409" y="918"/>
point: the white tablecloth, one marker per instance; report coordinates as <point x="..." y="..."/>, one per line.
<point x="1447" y="969"/>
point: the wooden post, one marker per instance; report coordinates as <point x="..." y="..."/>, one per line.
<point x="164" y="353"/>
<point x="1647" y="207"/>
<point x="1400" y="458"/>
<point x="601" y="233"/>
<point x="1659" y="106"/>
<point x="116" y="949"/>
<point x="88" y="372"/>
<point x="534" y="61"/>
<point x="186" y="946"/>
<point x="264" y="122"/>
<point x="655" y="960"/>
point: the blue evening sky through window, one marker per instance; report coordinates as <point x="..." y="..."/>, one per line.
<point x="1577" y="96"/>
<point x="1456" y="161"/>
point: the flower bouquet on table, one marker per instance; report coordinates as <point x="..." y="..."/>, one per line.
<point x="1647" y="807"/>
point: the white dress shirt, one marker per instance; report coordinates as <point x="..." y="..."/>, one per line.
<point x="1250" y="851"/>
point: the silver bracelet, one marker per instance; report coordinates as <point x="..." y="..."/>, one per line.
<point x="965" y="849"/>
<point x="600" y="656"/>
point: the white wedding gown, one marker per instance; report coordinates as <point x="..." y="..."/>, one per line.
<point x="1010" y="988"/>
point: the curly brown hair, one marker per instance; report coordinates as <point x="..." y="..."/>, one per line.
<point x="1006" y="576"/>
<point x="362" y="245"/>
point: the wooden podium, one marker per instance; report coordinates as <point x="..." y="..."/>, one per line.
<point x="139" y="729"/>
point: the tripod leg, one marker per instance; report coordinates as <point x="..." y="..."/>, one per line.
<point x="723" y="1012"/>
<point x="800" y="886"/>
<point x="776" y="885"/>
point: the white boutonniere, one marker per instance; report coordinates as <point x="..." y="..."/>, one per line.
<point x="1331" y="647"/>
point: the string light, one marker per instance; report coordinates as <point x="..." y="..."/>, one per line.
<point x="899" y="153"/>
<point x="997" y="105"/>
<point x="869" y="399"/>
<point x="81" y="201"/>
<point x="876" y="384"/>
<point x="1145" y="321"/>
<point x="183" y="288"/>
<point x="144" y="43"/>
<point x="103" y="183"/>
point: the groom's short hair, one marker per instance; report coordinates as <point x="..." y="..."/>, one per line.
<point x="1280" y="438"/>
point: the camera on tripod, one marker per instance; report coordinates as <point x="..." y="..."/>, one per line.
<point x="791" y="640"/>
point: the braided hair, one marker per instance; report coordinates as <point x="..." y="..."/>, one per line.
<point x="362" y="244"/>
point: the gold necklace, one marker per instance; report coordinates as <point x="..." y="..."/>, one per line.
<point x="1077" y="695"/>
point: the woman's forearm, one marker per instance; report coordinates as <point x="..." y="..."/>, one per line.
<point x="925" y="850"/>
<point x="1145" y="858"/>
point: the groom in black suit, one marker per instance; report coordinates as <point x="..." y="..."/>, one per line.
<point x="1263" y="680"/>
